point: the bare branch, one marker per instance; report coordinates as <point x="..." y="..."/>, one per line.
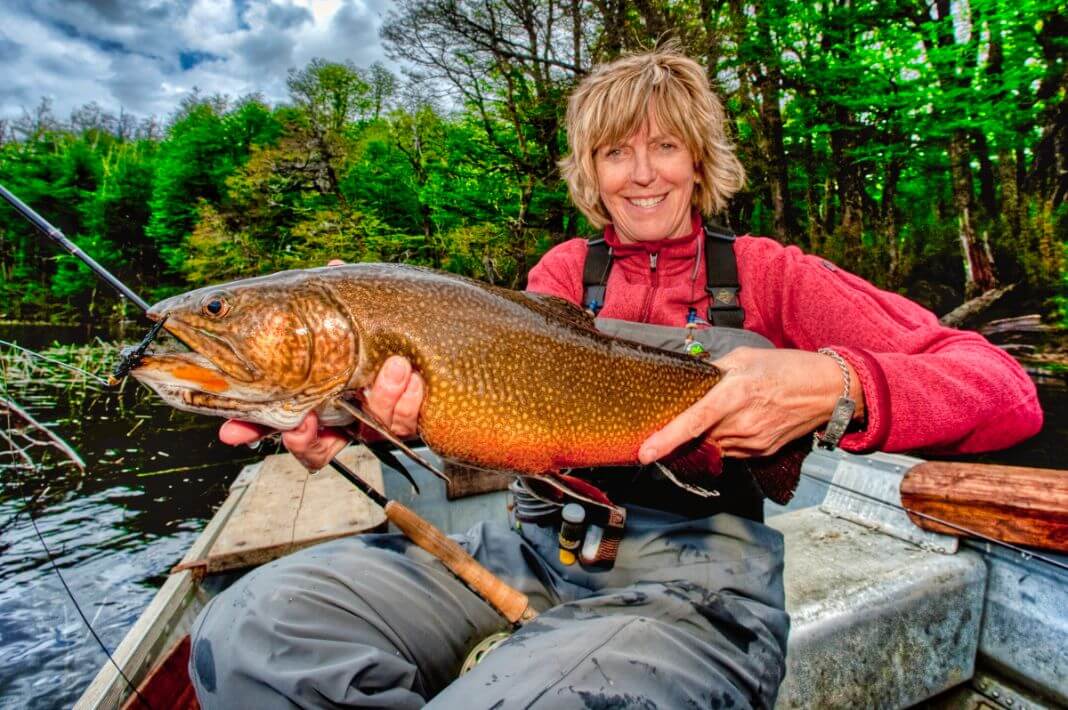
<point x="53" y="439"/>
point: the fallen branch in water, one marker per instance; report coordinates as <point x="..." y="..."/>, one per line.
<point x="1020" y="324"/>
<point x="52" y="439"/>
<point x="972" y="307"/>
<point x="18" y="451"/>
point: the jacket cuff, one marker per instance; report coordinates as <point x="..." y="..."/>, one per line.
<point x="876" y="390"/>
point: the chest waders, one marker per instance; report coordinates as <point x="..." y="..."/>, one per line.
<point x="646" y="486"/>
<point x="735" y="491"/>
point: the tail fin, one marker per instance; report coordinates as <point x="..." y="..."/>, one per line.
<point x="777" y="475"/>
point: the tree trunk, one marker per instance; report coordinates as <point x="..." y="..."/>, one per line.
<point x="889" y="220"/>
<point x="978" y="266"/>
<point x="769" y="85"/>
<point x="987" y="191"/>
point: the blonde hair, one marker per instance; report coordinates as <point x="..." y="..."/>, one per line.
<point x="613" y="101"/>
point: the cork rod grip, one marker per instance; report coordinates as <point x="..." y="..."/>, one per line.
<point x="511" y="603"/>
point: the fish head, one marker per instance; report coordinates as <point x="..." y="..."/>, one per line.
<point x="265" y="350"/>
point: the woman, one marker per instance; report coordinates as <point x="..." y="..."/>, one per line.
<point x="691" y="613"/>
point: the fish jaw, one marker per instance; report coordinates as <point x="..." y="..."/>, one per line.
<point x="192" y="383"/>
<point x="266" y="350"/>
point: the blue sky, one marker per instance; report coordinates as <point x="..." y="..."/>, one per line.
<point x="144" y="56"/>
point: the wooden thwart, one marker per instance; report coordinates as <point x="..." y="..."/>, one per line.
<point x="1025" y="506"/>
<point x="285" y="509"/>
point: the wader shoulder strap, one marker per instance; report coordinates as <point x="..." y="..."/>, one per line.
<point x="721" y="269"/>
<point x="721" y="272"/>
<point x="595" y="275"/>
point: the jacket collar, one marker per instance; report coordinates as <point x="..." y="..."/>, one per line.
<point x="685" y="245"/>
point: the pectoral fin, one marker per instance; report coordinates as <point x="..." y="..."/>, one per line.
<point x="370" y="421"/>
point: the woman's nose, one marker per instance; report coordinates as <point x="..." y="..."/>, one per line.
<point x="642" y="171"/>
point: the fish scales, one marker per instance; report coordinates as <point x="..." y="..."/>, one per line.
<point x="512" y="383"/>
<point x="515" y="381"/>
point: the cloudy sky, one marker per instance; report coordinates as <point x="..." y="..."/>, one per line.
<point x="144" y="55"/>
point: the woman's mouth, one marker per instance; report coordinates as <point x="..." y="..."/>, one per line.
<point x="646" y="202"/>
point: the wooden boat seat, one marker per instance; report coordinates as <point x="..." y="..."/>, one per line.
<point x="285" y="508"/>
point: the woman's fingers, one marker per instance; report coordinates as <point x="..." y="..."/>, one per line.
<point x="309" y="443"/>
<point x="406" y="413"/>
<point x="235" y="432"/>
<point x="313" y="445"/>
<point x="696" y="420"/>
<point x="396" y="396"/>
<point x="765" y="399"/>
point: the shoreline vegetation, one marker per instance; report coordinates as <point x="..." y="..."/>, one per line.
<point x="918" y="145"/>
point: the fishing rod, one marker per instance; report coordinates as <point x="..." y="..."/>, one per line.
<point x="511" y="603"/>
<point x="59" y="238"/>
<point x="70" y="247"/>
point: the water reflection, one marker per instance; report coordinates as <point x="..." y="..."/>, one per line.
<point x="153" y="477"/>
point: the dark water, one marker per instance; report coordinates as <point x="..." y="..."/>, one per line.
<point x="117" y="529"/>
<point x="114" y="531"/>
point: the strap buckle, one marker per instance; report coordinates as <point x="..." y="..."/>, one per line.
<point x="722" y="298"/>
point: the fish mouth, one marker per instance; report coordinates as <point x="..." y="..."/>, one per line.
<point x="194" y="380"/>
<point x="193" y="383"/>
<point x="218" y="351"/>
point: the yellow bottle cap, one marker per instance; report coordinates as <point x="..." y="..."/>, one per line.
<point x="567" y="557"/>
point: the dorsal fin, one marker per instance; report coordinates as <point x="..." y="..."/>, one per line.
<point x="559" y="308"/>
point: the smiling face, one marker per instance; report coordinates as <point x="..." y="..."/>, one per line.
<point x="646" y="183"/>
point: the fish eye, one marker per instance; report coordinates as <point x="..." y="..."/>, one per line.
<point x="216" y="306"/>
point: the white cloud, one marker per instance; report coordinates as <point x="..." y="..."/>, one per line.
<point x="143" y="56"/>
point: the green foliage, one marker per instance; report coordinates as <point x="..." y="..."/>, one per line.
<point x="203" y="147"/>
<point x="850" y="112"/>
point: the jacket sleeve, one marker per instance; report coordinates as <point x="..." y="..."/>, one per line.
<point x="559" y="272"/>
<point x="926" y="387"/>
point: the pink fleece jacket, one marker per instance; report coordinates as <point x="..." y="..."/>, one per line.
<point x="926" y="387"/>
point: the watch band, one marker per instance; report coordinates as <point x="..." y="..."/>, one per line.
<point x="844" y="408"/>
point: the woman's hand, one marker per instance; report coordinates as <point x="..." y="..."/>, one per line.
<point x="394" y="399"/>
<point x="766" y="399"/>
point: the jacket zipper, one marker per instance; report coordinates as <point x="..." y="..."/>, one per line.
<point x="655" y="283"/>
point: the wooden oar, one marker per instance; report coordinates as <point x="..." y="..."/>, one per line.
<point x="1015" y="504"/>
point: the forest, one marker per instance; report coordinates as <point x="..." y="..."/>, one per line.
<point x="921" y="144"/>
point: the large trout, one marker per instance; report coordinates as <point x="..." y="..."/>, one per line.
<point x="515" y="381"/>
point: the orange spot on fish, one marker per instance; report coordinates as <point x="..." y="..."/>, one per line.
<point x="205" y="379"/>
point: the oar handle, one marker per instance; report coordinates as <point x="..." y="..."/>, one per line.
<point x="1016" y="504"/>
<point x="510" y="602"/>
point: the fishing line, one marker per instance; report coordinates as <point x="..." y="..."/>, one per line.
<point x="74" y="600"/>
<point x="1024" y="552"/>
<point x="64" y="365"/>
<point x="130" y="357"/>
<point x="28" y="506"/>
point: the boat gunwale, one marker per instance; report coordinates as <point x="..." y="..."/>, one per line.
<point x="152" y="632"/>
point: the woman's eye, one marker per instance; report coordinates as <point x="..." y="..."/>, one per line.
<point x="667" y="146"/>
